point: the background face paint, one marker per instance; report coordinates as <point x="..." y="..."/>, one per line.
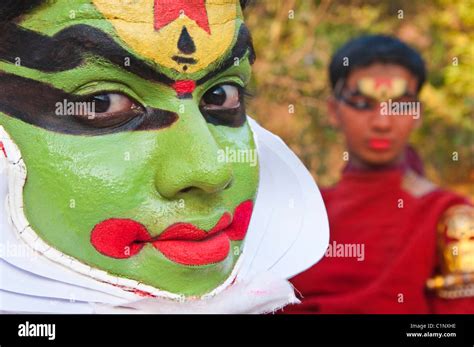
<point x="382" y="88"/>
<point x="184" y="35"/>
<point x="156" y="177"/>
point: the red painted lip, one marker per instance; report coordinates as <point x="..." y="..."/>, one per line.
<point x="380" y="144"/>
<point x="183" y="243"/>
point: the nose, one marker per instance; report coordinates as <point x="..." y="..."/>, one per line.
<point x="189" y="161"/>
<point x="380" y="122"/>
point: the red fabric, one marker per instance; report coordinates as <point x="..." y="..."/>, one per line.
<point x="167" y="11"/>
<point x="400" y="250"/>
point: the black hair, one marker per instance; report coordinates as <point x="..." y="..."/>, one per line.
<point x="244" y="3"/>
<point x="369" y="49"/>
<point x="10" y="9"/>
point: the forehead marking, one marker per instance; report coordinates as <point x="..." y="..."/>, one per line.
<point x="184" y="88"/>
<point x="166" y="11"/>
<point x="381" y="87"/>
<point x="186" y="36"/>
<point x="383" y="81"/>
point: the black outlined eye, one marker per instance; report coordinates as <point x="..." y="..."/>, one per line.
<point x="224" y="104"/>
<point x="224" y="96"/>
<point x="107" y="110"/>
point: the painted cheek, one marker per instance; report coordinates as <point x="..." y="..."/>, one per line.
<point x="355" y="129"/>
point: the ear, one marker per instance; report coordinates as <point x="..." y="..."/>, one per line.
<point x="333" y="111"/>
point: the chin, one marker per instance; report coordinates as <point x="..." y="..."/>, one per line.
<point x="379" y="159"/>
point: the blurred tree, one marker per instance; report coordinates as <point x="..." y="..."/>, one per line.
<point x="295" y="39"/>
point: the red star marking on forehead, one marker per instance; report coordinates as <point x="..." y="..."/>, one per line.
<point x="166" y="11"/>
<point x="383" y="81"/>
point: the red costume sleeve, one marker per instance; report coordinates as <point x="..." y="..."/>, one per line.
<point x="452" y="306"/>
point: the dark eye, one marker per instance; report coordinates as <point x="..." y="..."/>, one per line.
<point x="360" y="103"/>
<point x="225" y="96"/>
<point x="224" y="105"/>
<point x="107" y="110"/>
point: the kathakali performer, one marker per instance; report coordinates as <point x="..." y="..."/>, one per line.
<point x="131" y="174"/>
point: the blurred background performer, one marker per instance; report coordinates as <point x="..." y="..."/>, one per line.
<point x="399" y="243"/>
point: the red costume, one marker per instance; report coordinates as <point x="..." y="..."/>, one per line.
<point x="384" y="247"/>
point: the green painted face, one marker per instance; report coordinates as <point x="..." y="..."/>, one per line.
<point x="152" y="179"/>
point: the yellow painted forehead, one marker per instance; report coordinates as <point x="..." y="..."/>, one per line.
<point x="184" y="35"/>
<point x="382" y="88"/>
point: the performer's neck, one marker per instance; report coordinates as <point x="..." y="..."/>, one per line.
<point x="357" y="164"/>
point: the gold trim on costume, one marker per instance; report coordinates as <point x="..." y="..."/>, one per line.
<point x="456" y="251"/>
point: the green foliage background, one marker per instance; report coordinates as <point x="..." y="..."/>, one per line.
<point x="295" y="39"/>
